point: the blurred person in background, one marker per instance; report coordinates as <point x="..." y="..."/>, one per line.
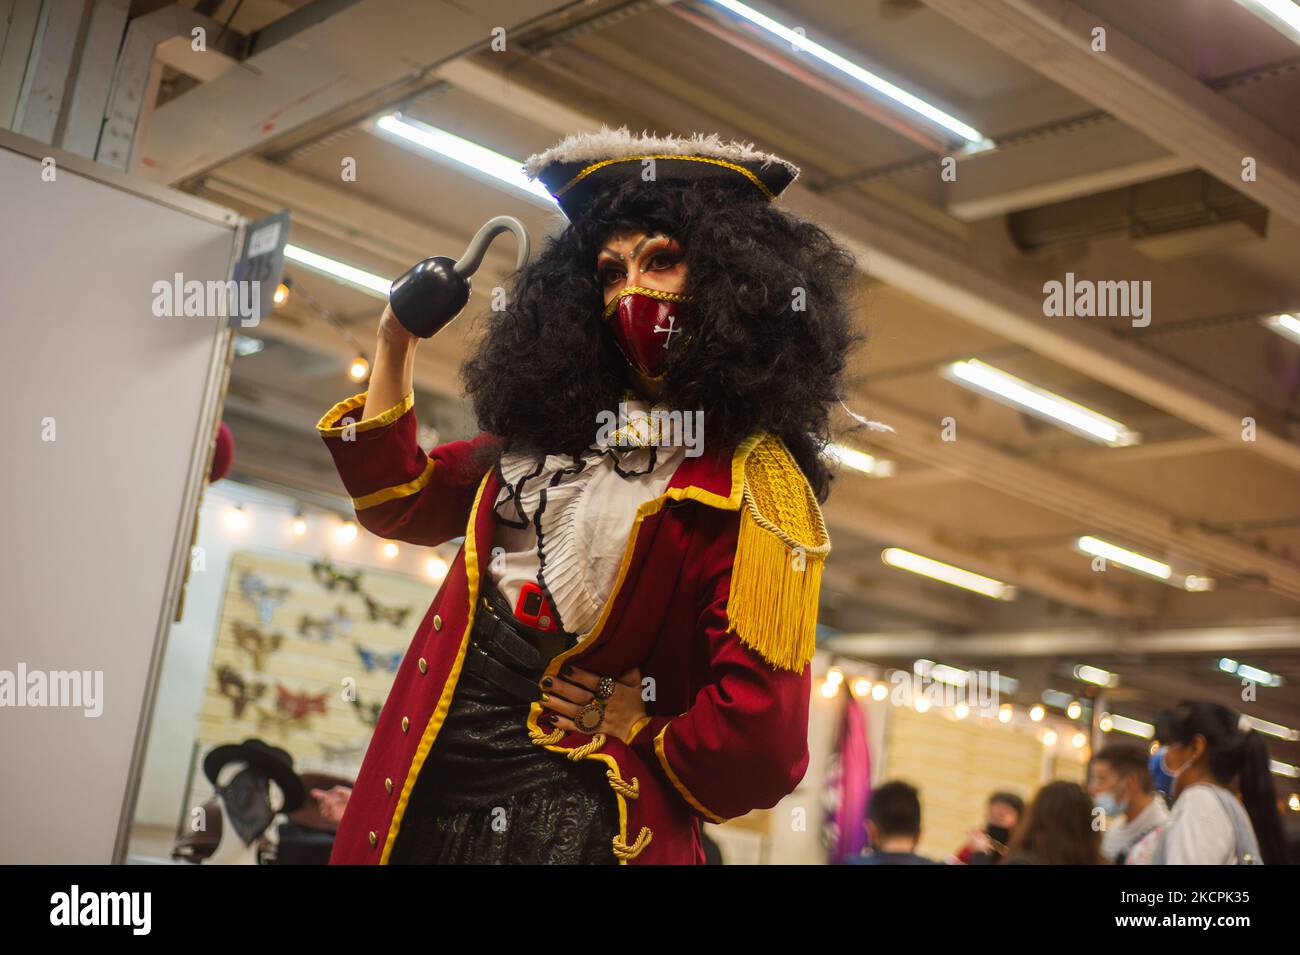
<point x="1210" y="751"/>
<point x="987" y="846"/>
<point x="894" y="826"/>
<point x="1122" y="788"/>
<point x="1057" y="829"/>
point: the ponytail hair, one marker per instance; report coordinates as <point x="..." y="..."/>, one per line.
<point x="1259" y="796"/>
<point x="1235" y="754"/>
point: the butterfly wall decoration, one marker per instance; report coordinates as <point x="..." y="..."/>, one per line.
<point x="368" y="713"/>
<point x="378" y="612"/>
<point x="298" y="706"/>
<point x="331" y="578"/>
<point x="373" y="660"/>
<point x="265" y="599"/>
<point x="325" y="629"/>
<point x="232" y="686"/>
<point x="256" y="643"/>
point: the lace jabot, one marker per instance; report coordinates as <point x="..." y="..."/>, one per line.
<point x="563" y="520"/>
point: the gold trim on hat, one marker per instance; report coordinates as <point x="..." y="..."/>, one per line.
<point x="716" y="162"/>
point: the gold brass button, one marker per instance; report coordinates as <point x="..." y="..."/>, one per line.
<point x="424" y="665"/>
<point x="437" y="622"/>
<point x="374" y="839"/>
<point x="388" y="785"/>
<point x="406" y="724"/>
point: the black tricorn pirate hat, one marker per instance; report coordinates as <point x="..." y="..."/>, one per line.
<point x="575" y="169"/>
<point x="275" y="762"/>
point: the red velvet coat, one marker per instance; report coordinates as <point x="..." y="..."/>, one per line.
<point x="727" y="727"/>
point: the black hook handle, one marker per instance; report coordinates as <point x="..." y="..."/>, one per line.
<point x="433" y="292"/>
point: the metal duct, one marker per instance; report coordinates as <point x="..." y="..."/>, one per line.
<point x="1177" y="215"/>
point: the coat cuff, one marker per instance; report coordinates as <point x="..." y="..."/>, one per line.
<point x="334" y="425"/>
<point x="378" y="457"/>
<point x="664" y="763"/>
<point x="649" y="738"/>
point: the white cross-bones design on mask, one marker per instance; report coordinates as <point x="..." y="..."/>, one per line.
<point x="670" y="331"/>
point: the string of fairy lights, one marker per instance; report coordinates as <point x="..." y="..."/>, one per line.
<point x="297" y="526"/>
<point x="898" y="688"/>
<point x="359" y="366"/>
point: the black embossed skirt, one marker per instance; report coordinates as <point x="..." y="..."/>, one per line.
<point x="487" y="794"/>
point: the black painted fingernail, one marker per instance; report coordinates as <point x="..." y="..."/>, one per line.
<point x="547" y="682"/>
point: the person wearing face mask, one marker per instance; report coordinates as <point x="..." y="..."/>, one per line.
<point x="988" y="846"/>
<point x="1212" y="754"/>
<point x="1123" y="790"/>
<point x="621" y="649"/>
<point x="1163" y="782"/>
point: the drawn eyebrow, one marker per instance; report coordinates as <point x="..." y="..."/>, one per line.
<point x="639" y="246"/>
<point x="650" y="238"/>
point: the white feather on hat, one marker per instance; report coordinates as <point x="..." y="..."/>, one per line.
<point x="619" y="143"/>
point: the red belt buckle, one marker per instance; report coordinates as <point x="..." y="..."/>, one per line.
<point x="534" y="609"/>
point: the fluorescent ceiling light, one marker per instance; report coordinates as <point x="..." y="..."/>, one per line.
<point x="1040" y="402"/>
<point x="1283" y="769"/>
<point x="376" y="285"/>
<point x="1273" y="729"/>
<point x="1097" y="547"/>
<point x="1287" y="325"/>
<point x="902" y="97"/>
<point x="946" y="573"/>
<point x="1256" y="675"/>
<point x="1125" y="724"/>
<point x="1095" y="675"/>
<point x="857" y="460"/>
<point x="1056" y="699"/>
<point x="954" y="676"/>
<point x="461" y="150"/>
<point x="1248" y="672"/>
<point x="1281" y="15"/>
<point x="247" y="346"/>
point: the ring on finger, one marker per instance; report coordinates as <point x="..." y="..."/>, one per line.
<point x="589" y="718"/>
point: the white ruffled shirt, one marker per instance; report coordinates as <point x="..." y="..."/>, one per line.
<point x="563" y="521"/>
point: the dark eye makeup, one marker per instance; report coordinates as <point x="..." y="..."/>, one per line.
<point x="668" y="255"/>
<point x="608" y="275"/>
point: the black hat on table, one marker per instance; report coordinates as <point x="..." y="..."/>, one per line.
<point x="575" y="169"/>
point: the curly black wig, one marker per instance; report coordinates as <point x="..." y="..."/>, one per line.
<point x="769" y="326"/>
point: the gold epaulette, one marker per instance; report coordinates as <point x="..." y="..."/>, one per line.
<point x="780" y="552"/>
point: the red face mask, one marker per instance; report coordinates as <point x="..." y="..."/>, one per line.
<point x="645" y="323"/>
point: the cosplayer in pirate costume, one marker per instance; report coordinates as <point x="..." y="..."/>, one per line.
<point x="621" y="647"/>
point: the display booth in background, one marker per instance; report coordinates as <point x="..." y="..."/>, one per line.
<point x="111" y="412"/>
<point x="294" y="623"/>
<point x="955" y="764"/>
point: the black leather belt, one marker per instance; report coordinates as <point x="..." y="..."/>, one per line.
<point x="503" y="652"/>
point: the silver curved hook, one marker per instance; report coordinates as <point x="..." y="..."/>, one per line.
<point x="468" y="263"/>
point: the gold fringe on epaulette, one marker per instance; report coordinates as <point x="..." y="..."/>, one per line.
<point x="776" y="577"/>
